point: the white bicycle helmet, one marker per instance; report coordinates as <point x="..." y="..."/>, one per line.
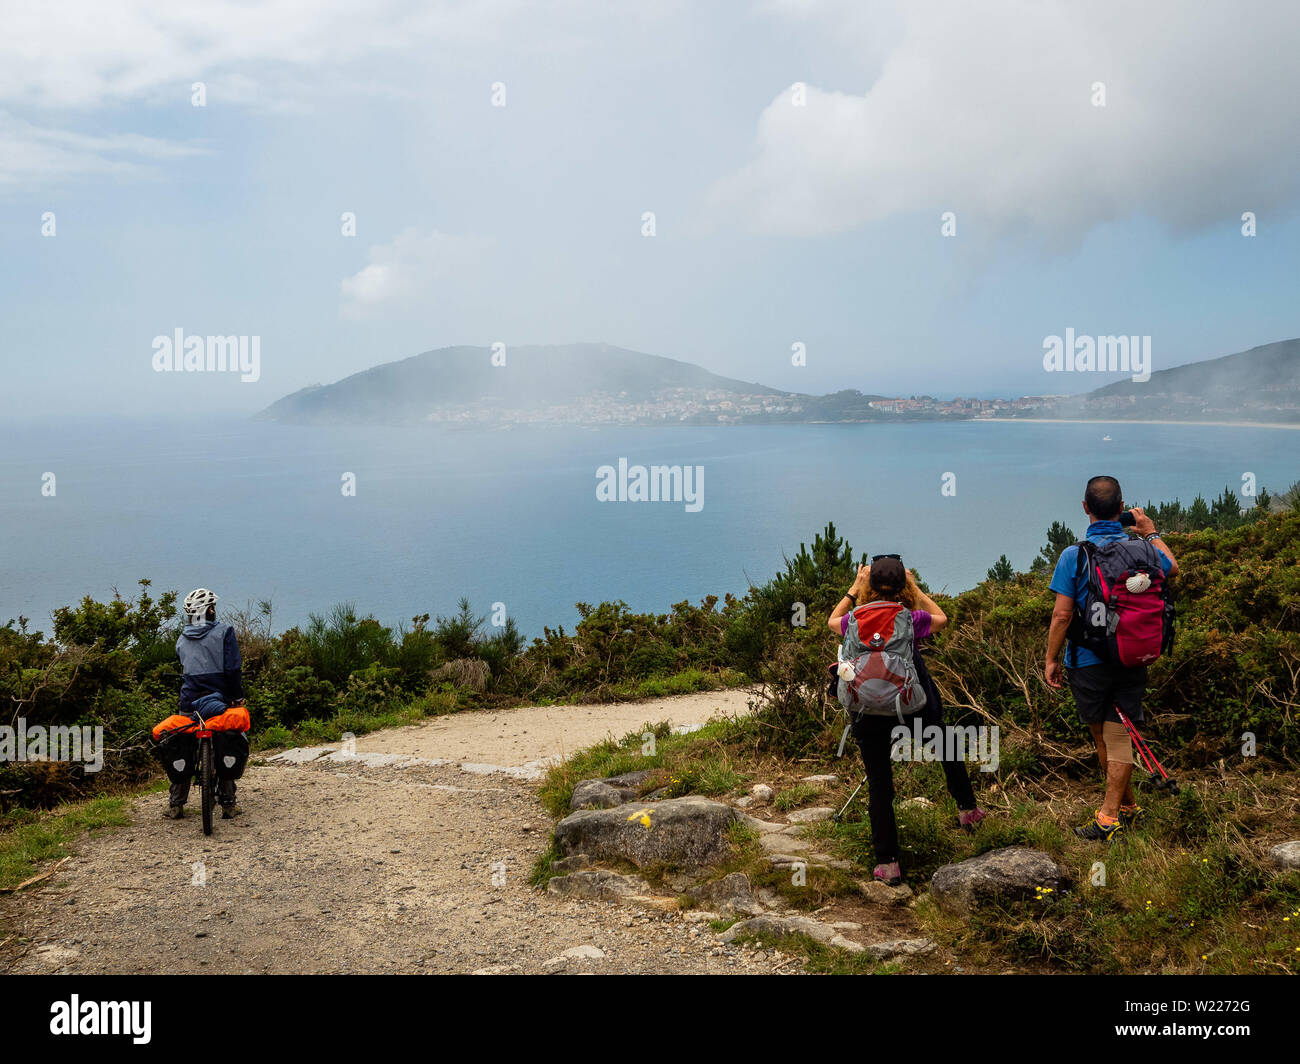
<point x="196" y="604"/>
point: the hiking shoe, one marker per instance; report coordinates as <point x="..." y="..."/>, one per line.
<point x="889" y="874"/>
<point x="174" y="812"/>
<point x="229" y="812"/>
<point x="1096" y="831"/>
<point x="968" y="818"/>
<point x="1131" y="815"/>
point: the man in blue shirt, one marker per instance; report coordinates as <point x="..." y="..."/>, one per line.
<point x="1100" y="686"/>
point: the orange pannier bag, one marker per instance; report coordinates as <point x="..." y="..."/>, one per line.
<point x="173" y="723"/>
<point x="235" y="718"/>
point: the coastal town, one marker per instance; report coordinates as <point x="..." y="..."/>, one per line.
<point x="687" y="406"/>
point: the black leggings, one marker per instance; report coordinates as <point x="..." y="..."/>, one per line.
<point x="873" y="738"/>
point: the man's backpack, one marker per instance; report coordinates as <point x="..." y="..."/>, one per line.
<point x="879" y="650"/>
<point x="1126" y="616"/>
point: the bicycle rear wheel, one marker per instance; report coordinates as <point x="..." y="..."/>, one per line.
<point x="208" y="781"/>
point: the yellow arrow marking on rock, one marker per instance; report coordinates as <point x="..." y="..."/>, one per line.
<point x="643" y="815"/>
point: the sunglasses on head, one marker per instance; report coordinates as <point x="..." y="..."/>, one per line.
<point x="877" y="557"/>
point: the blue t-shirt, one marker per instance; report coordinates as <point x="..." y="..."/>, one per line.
<point x="1064" y="583"/>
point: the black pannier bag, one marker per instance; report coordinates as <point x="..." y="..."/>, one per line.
<point x="229" y="754"/>
<point x="178" y="753"/>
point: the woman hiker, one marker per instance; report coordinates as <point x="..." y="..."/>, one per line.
<point x="885" y="579"/>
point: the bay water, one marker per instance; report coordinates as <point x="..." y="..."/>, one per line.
<point x="261" y="511"/>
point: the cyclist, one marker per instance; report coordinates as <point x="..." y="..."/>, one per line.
<point x="212" y="680"/>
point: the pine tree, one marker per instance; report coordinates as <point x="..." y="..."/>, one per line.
<point x="1198" y="515"/>
<point x="1002" y="572"/>
<point x="1059" y="536"/>
<point x="1226" y="510"/>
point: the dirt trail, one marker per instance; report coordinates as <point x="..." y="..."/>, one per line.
<point x="367" y="865"/>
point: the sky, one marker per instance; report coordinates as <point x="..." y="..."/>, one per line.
<point x="499" y="158"/>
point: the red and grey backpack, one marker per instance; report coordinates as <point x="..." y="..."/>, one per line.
<point x="1127" y="616"/>
<point x="879" y="647"/>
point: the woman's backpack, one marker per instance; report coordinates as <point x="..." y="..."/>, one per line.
<point x="877" y="674"/>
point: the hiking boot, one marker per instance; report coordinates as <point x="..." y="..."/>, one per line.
<point x="174" y="812"/>
<point x="1131" y="815"/>
<point x="888" y="873"/>
<point x="229" y="812"/>
<point x="1097" y="831"/>
<point x="968" y="818"/>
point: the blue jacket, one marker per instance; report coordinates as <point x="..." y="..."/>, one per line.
<point x="210" y="664"/>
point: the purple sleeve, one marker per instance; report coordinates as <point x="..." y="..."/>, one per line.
<point x="844" y="624"/>
<point x="920" y="624"/>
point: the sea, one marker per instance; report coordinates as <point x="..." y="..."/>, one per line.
<point x="401" y="522"/>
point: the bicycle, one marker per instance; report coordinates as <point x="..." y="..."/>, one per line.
<point x="204" y="750"/>
<point x="205" y="773"/>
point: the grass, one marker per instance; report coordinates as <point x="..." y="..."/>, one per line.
<point x="314" y="731"/>
<point x="30" y="840"/>
<point x="697" y="763"/>
<point x="1189" y="891"/>
<point x="793" y="797"/>
<point x="543" y="868"/>
<point x="685" y="682"/>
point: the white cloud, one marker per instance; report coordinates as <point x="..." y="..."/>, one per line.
<point x="67" y="59"/>
<point x="87" y="53"/>
<point x="413" y="270"/>
<point x="985" y="109"/>
<point x="29" y="152"/>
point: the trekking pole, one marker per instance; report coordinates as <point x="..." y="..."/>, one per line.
<point x="1149" y="760"/>
<point x="844" y="808"/>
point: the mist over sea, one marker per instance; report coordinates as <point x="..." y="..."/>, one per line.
<point x="256" y="511"/>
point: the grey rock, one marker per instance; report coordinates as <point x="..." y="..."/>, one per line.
<point x="596" y="794"/>
<point x="903" y="947"/>
<point x="608" y="792"/>
<point x="771" y="926"/>
<point x="811" y="815"/>
<point x="1286" y="855"/>
<point x="1007" y="875"/>
<point x="597" y="884"/>
<point x="783" y="844"/>
<point x="761" y="793"/>
<point x="847" y="944"/>
<point x="688" y="833"/>
<point x="824" y="780"/>
<point x="764" y="827"/>
<point x="883" y="894"/>
<point x="566" y="865"/>
<point x="731" y="895"/>
<point x="785" y="860"/>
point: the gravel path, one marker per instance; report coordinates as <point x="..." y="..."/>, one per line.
<point x="409" y="863"/>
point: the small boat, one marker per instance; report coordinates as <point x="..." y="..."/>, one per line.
<point x="1105" y="439"/>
